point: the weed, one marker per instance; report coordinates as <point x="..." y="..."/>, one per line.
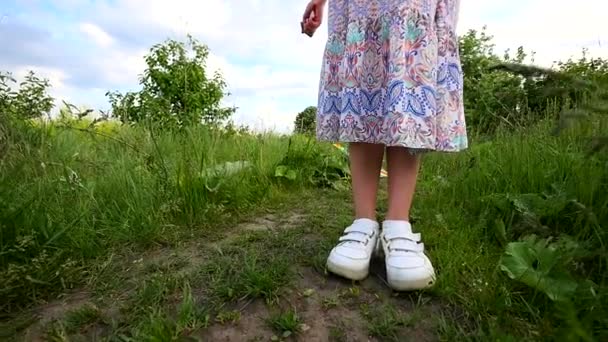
<point x="82" y="317"/>
<point x="157" y="323"/>
<point x="57" y="332"/>
<point x="154" y="291"/>
<point x="337" y="333"/>
<point x="190" y="316"/>
<point x="314" y="165"/>
<point x="247" y="275"/>
<point x="286" y="323"/>
<point x="385" y="321"/>
<point x="331" y="302"/>
<point x="232" y="316"/>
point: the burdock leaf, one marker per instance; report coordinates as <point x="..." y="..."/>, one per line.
<point x="534" y="263"/>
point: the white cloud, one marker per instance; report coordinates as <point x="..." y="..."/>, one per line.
<point x="553" y="29"/>
<point x="264" y="115"/>
<point x="270" y="67"/>
<point x="56" y="77"/>
<point x="121" y="67"/>
<point x="101" y="37"/>
<point x="60" y="88"/>
<point x="178" y="16"/>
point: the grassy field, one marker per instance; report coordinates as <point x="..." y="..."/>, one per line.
<point x="128" y="234"/>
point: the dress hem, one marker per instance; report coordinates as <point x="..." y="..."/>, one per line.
<point x="411" y="149"/>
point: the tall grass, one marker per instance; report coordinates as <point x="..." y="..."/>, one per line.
<point x="69" y="194"/>
<point x="492" y="200"/>
<point x="525" y="200"/>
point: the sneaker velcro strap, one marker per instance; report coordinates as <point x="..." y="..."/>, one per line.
<point x="394" y="234"/>
<point x="354" y="237"/>
<point x="359" y="229"/>
<point x="398" y="240"/>
<point x="405" y="246"/>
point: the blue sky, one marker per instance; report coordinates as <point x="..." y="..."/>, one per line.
<point x="88" y="47"/>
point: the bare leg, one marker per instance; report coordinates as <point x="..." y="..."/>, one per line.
<point x="414" y="270"/>
<point x="365" y="165"/>
<point x="351" y="257"/>
<point x="402" y="174"/>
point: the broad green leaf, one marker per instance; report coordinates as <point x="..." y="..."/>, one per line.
<point x="533" y="263"/>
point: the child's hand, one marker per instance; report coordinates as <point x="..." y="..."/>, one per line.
<point x="313" y="16"/>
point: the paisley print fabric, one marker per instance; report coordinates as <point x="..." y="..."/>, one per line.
<point x="391" y="74"/>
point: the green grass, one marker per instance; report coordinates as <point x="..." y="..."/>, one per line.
<point x="526" y="183"/>
<point x="137" y="222"/>
<point x="70" y="197"/>
<point x="231" y="316"/>
<point x="82" y="317"/>
<point x="247" y="276"/>
<point x="337" y="333"/>
<point x="385" y="321"/>
<point x="286" y="323"/>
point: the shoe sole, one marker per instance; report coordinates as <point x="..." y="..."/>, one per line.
<point x="347" y="273"/>
<point x="412" y="285"/>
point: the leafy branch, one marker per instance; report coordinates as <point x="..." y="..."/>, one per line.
<point x="560" y="84"/>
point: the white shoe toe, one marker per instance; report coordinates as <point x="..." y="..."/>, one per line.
<point x="407" y="266"/>
<point x="351" y="257"/>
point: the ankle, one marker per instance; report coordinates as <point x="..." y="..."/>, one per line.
<point x="367" y="221"/>
<point x="397" y="224"/>
<point x="397" y="215"/>
<point x="366" y="217"/>
<point x="402" y="217"/>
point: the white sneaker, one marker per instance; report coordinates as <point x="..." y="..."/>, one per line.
<point x="351" y="257"/>
<point x="407" y="266"/>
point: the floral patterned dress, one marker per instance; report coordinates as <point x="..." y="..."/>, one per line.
<point x="391" y="75"/>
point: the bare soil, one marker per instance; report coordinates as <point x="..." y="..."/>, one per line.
<point x="330" y="308"/>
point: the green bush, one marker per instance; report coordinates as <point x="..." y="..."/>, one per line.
<point x="176" y="90"/>
<point x="496" y="98"/>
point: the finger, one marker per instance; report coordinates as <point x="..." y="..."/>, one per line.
<point x="313" y="24"/>
<point x="307" y="11"/>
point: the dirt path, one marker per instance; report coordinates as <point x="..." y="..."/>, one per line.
<point x="262" y="280"/>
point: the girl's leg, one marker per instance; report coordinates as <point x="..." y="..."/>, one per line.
<point x="402" y="174"/>
<point x="365" y="165"/>
<point x="351" y="256"/>
<point x="407" y="267"/>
